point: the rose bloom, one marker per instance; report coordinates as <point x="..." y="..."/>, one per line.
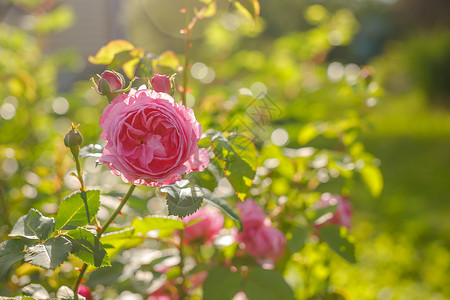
<point x="211" y="221"/>
<point x="251" y="214"/>
<point x="264" y="242"/>
<point x="151" y="139"/>
<point x="343" y="214"/>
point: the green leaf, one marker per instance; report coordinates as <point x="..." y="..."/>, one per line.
<point x="263" y="284"/>
<point x="11" y="251"/>
<point x="205" y="178"/>
<point x="125" y="238"/>
<point x="249" y="8"/>
<point x="336" y="239"/>
<point x="373" y="179"/>
<point x="49" y="255"/>
<point x="224" y="206"/>
<point x="182" y="202"/>
<point x="33" y="226"/>
<point x="72" y="211"/>
<point x="167" y="62"/>
<point x="106" y="276"/>
<point x="87" y="247"/>
<point x="307" y="133"/>
<point x="165" y="225"/>
<point x="107" y="53"/>
<point x="35" y="290"/>
<point x="55" y="20"/>
<point x="297" y="239"/>
<point x="238" y="154"/>
<point x="221" y="284"/>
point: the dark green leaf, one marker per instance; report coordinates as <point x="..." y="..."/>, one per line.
<point x="182" y="201"/>
<point x="33" y="226"/>
<point x="106" y="276"/>
<point x="297" y="240"/>
<point x="164" y="225"/>
<point x="51" y="254"/>
<point x="221" y="284"/>
<point x="36" y="291"/>
<point x="238" y="154"/>
<point x="72" y="211"/>
<point x="338" y="242"/>
<point x="11" y="251"/>
<point x="263" y="284"/>
<point x="87" y="247"/>
<point x="223" y="205"/>
<point x="205" y="178"/>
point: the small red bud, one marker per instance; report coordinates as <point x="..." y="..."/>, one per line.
<point x="183" y="31"/>
<point x="183" y="10"/>
<point x="110" y="83"/>
<point x="84" y="291"/>
<point x="161" y="83"/>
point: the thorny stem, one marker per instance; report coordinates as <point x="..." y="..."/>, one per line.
<point x="99" y="234"/>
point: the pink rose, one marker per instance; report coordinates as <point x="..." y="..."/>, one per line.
<point x="263" y="242"/>
<point x="211" y="221"/>
<point x="343" y="214"/>
<point x="161" y="83"/>
<point x="159" y="297"/>
<point x="251" y="214"/>
<point x="151" y="139"/>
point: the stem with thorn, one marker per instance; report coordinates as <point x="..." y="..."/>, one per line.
<point x="101" y="231"/>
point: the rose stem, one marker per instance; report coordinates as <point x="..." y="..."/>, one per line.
<point x="186" y="55"/>
<point x="83" y="187"/>
<point x="102" y="230"/>
<point x="181" y="265"/>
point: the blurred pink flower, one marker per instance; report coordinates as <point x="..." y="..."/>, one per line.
<point x="211" y="221"/>
<point x="343" y="214"/>
<point x="161" y="83"/>
<point x="251" y="214"/>
<point x="151" y="139"/>
<point x="263" y="242"/>
<point x="260" y="238"/>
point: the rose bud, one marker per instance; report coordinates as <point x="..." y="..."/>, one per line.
<point x="85" y="292"/>
<point x="73" y="139"/>
<point x="161" y="83"/>
<point x="110" y="84"/>
<point x="343" y="214"/>
<point x="211" y="221"/>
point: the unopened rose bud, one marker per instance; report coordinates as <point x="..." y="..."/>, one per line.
<point x="110" y="84"/>
<point x="161" y="83"/>
<point x="73" y="139"/>
<point x="84" y="291"/>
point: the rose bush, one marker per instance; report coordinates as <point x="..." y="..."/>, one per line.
<point x="151" y="139"/>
